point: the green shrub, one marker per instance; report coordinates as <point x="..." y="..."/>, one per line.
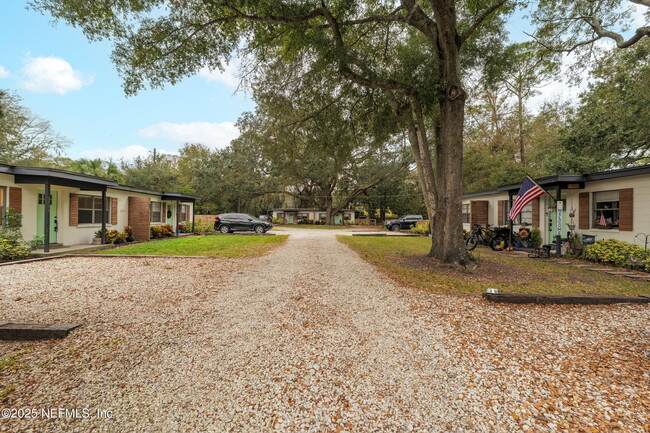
<point x="129" y="233"/>
<point x="277" y="220"/>
<point x="13" y="221"/>
<point x="35" y="243"/>
<point x="306" y="221"/>
<point x="12" y="245"/>
<point x="421" y="228"/>
<point x="200" y="227"/>
<point x="116" y="236"/>
<point x="618" y="253"/>
<point x="535" y="237"/>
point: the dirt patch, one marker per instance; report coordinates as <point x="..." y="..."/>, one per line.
<point x="489" y="271"/>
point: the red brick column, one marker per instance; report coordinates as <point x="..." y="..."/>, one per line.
<point x="139" y="217"/>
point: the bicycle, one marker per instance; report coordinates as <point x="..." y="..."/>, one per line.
<point x="497" y="238"/>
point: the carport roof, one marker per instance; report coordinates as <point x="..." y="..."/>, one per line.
<point x="55" y="176"/>
<point x="562" y="181"/>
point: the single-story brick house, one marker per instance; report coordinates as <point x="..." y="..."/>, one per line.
<point x="292" y="215"/>
<point x="77" y="211"/>
<point x="609" y="204"/>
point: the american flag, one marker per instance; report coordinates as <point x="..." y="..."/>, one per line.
<point x="602" y="221"/>
<point x="528" y="192"/>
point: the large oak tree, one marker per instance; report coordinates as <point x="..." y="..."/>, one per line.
<point x="414" y="51"/>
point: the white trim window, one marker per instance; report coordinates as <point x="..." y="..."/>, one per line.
<point x="524" y="217"/>
<point x="606" y="210"/>
<point x="90" y="209"/>
<point x="155" y="212"/>
<point x="185" y="211"/>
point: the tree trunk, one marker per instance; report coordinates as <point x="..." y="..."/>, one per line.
<point x="328" y="209"/>
<point x="445" y="214"/>
<point x="382" y="215"/>
<point x="520" y="126"/>
<point x="446" y="225"/>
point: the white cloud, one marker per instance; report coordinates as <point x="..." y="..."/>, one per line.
<point x="227" y="77"/>
<point x="52" y="75"/>
<point x="128" y="153"/>
<point x="217" y="135"/>
<point x="4" y="73"/>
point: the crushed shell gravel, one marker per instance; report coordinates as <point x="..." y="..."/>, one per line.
<point x="310" y="338"/>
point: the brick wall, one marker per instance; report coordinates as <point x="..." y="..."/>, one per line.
<point x="139" y="217"/>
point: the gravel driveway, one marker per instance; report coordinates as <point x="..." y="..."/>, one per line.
<point x="310" y="338"/>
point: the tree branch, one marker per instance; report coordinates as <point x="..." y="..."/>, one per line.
<point x="479" y="20"/>
<point x="617" y="37"/>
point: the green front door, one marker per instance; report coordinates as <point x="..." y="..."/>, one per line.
<point x="553" y="220"/>
<point x="337" y="219"/>
<point x="40" y="215"/>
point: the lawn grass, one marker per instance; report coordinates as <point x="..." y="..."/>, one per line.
<point x="207" y="246"/>
<point x="316" y="226"/>
<point x="402" y="258"/>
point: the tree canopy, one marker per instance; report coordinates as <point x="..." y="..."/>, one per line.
<point x="416" y="53"/>
<point x="25" y="138"/>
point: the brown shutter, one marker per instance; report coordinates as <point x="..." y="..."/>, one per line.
<point x="479" y="212"/>
<point x="626" y="210"/>
<point x="74" y="210"/>
<point x="16" y="200"/>
<point x="163" y="213"/>
<point x="113" y="210"/>
<point x="536" y="212"/>
<point x="584" y="213"/>
<point x="500" y="214"/>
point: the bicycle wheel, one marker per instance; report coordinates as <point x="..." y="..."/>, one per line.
<point x="471" y="243"/>
<point x="498" y="243"/>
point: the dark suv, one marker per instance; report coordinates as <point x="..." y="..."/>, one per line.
<point x="403" y="223"/>
<point x="230" y="222"/>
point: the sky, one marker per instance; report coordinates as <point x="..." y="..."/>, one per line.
<point x="71" y="82"/>
<point x="64" y="78"/>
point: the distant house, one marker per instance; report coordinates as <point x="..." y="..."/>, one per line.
<point x="293" y="216"/>
<point x="610" y="204"/>
<point x="77" y="211"/>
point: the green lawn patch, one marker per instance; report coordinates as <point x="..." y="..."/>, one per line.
<point x="404" y="259"/>
<point x="316" y="226"/>
<point x="207" y="246"/>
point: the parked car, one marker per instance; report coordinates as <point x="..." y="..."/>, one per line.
<point x="403" y="223"/>
<point x="230" y="222"/>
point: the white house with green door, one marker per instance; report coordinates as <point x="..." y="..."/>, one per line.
<point x="80" y="205"/>
<point x="612" y="204"/>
